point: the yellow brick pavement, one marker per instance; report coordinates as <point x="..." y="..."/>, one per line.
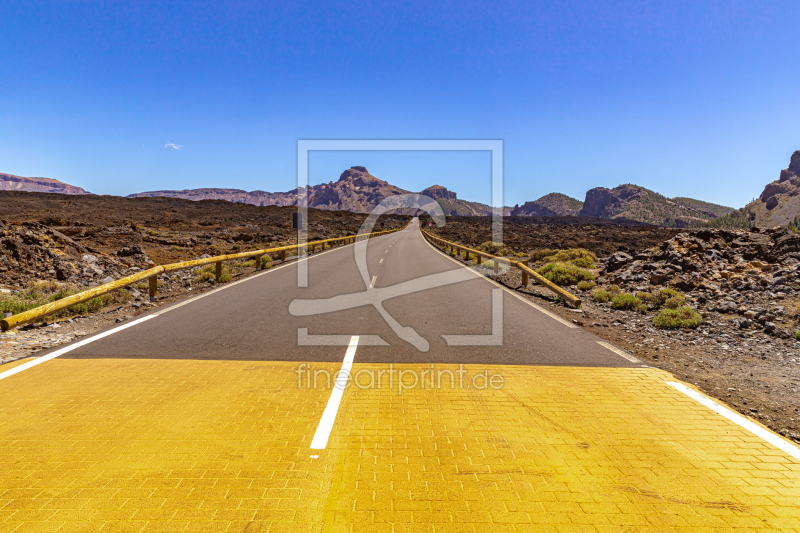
<point x="167" y="445"/>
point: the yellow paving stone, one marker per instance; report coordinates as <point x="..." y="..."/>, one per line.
<point x="134" y="445"/>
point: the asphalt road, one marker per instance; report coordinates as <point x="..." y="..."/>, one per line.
<point x="268" y="317"/>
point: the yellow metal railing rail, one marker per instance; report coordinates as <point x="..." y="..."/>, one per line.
<point x="526" y="271"/>
<point x="152" y="275"/>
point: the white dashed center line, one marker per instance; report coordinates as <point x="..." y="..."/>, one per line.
<point x="372" y="283"/>
<point x="320" y="440"/>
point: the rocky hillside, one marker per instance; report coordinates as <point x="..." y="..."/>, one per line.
<point x="633" y="202"/>
<point x="10" y="182"/>
<point x="451" y="205"/>
<point x="779" y="203"/>
<point x="550" y="205"/>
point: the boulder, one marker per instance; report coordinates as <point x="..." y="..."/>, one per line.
<point x="617" y="261"/>
<point x="659" y="277"/>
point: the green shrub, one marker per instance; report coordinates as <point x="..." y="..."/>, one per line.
<point x="488" y="263"/>
<point x="14" y="304"/>
<point x="39" y="293"/>
<point x="586" y="285"/>
<point x="683" y="317"/>
<point x="494" y="248"/>
<point x="573" y="256"/>
<point x="645" y="297"/>
<point x="643" y="308"/>
<point x="565" y="274"/>
<point x="662" y="295"/>
<point x="674" y="302"/>
<point x="614" y="290"/>
<point x="625" y="301"/>
<point x="601" y="295"/>
<point x="208" y="273"/>
<point x="266" y="261"/>
<point x="79" y="309"/>
<point x="797" y="335"/>
<point x="38" y="289"/>
<point x="204" y="276"/>
<point x="248" y="264"/>
<point x="94" y="305"/>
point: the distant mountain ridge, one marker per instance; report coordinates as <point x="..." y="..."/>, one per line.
<point x="550" y="205"/>
<point x="10" y="182"/>
<point x="356" y="190"/>
<point x="637" y="203"/>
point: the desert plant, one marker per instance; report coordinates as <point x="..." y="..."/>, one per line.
<point x="248" y="264"/>
<point x="683" y="317"/>
<point x="37" y="289"/>
<point x="30" y="299"/>
<point x="204" y="276"/>
<point x="645" y="297"/>
<point x="586" y="285"/>
<point x="661" y="296"/>
<point x="565" y="274"/>
<point x="797" y="335"/>
<point x="601" y="295"/>
<point x="573" y="256"/>
<point x="614" y="290"/>
<point x="266" y="261"/>
<point x="494" y="248"/>
<point x="674" y="302"/>
<point x="643" y="308"/>
<point x="625" y="301"/>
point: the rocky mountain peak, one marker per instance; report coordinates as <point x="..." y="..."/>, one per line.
<point x="794" y="168"/>
<point x="437" y="191"/>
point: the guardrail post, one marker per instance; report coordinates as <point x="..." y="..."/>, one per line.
<point x="496" y="267"/>
<point x="524" y="275"/>
<point x="152" y="282"/>
<point x="478" y="259"/>
<point x="283" y="256"/>
<point x="258" y="262"/>
<point x="218" y="272"/>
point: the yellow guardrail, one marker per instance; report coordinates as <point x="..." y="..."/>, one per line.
<point x="526" y="271"/>
<point x="152" y="274"/>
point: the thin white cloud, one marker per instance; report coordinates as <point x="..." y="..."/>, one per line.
<point x="172" y="145"/>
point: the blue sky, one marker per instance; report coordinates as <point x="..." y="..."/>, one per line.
<point x="692" y="98"/>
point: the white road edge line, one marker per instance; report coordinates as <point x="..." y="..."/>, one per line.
<point x="320" y="440"/>
<point x="62" y="351"/>
<point x="755" y="429"/>
<point x="620" y="352"/>
<point x="509" y="291"/>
